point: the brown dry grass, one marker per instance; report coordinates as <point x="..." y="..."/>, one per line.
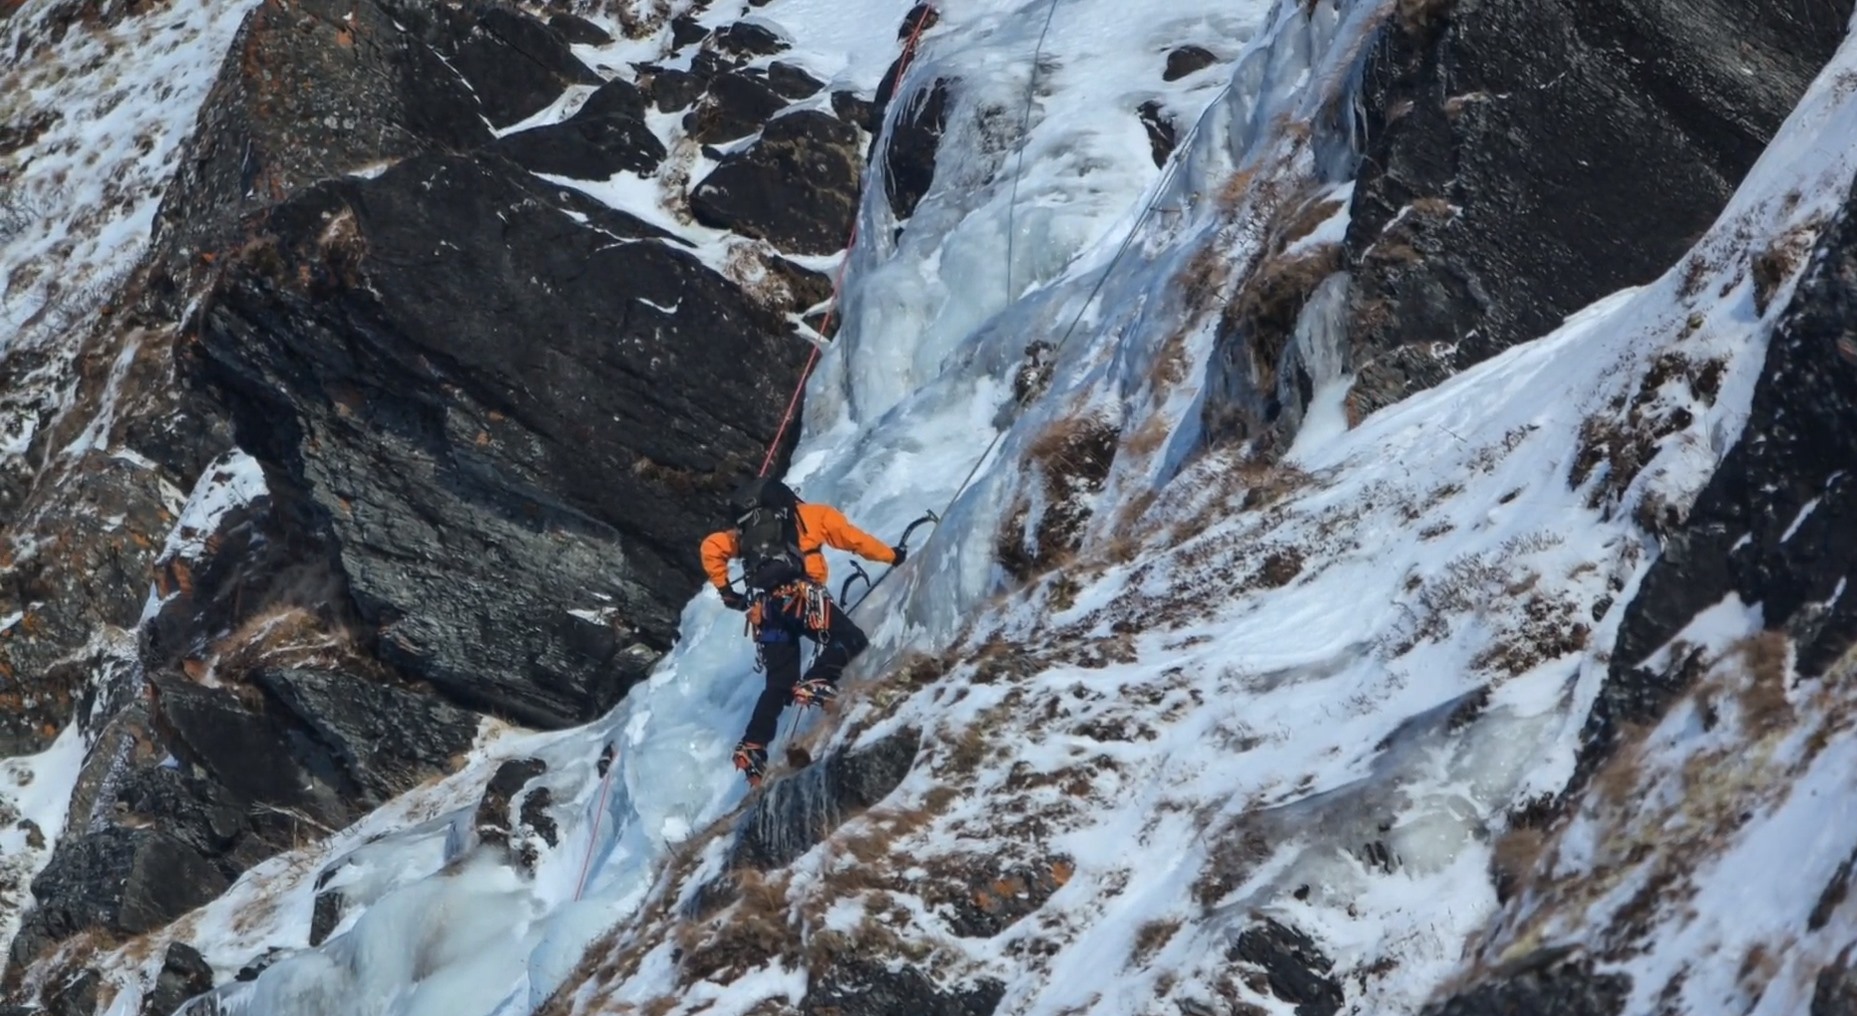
<point x="1513" y="858"/>
<point x="1271" y="300"/>
<point x="288" y="635"/>
<point x="1233" y="193"/>
<point x="757" y="928"/>
<point x="1151" y="938"/>
<point x="1203" y="280"/>
<point x="1767" y="661"/>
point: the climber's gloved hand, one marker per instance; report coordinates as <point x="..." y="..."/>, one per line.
<point x="732" y="599"/>
<point x="901" y="555"/>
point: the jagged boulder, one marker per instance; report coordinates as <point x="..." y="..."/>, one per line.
<point x="247" y="750"/>
<point x="461" y="381"/>
<point x="1582" y="144"/>
<point x="184" y="974"/>
<point x="795" y="813"/>
<point x="607" y="135"/>
<point x="795" y="187"/>
<point x="1773" y="524"/>
<point x="1293" y="968"/>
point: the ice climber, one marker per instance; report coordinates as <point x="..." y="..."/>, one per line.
<point x="779" y="538"/>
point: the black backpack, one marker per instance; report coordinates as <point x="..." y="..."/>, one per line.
<point x="767" y="513"/>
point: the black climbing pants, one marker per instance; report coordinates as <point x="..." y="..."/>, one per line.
<point x="841" y="641"/>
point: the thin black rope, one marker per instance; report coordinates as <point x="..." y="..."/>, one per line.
<point x="1025" y="140"/>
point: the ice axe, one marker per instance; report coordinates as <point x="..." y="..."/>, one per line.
<point x="858" y="572"/>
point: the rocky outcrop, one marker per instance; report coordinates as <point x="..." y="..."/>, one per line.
<point x="1580" y="146"/>
<point x="514" y="64"/>
<point x="184" y="974"/>
<point x="734" y="105"/>
<point x="607" y="135"/>
<point x="1294" y="970"/>
<point x="383" y="738"/>
<point x="313" y="91"/>
<point x="511" y="816"/>
<point x="128" y="880"/>
<point x="864" y="987"/>
<point x="1185" y="61"/>
<point x="1521" y="161"/>
<point x="451" y="391"/>
<point x="1773" y="525"/>
<point x="908" y="150"/>
<point x="795" y="187"/>
<point x="1545" y="985"/>
<point x="797" y="812"/>
<point x="1835" y="991"/>
<point x="474" y="503"/>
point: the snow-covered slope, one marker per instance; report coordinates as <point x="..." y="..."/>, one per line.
<point x="1207" y="689"/>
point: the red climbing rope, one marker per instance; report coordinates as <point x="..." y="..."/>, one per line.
<point x="927" y="17"/>
<point x="611" y="756"/>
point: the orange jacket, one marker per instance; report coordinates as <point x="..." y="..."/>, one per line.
<point x="819" y="525"/>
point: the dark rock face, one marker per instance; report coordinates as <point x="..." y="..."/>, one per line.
<point x="574" y="29"/>
<point x="1585" y="143"/>
<point x="672" y="90"/>
<point x="1294" y="969"/>
<point x="791" y="82"/>
<point x="746" y="39"/>
<point x="1745" y="534"/>
<point x="325" y="915"/>
<point x="1162" y="134"/>
<point x="132" y="880"/>
<point x="184" y="974"/>
<point x="501" y="822"/>
<point x="288" y="109"/>
<point x="607" y="135"/>
<point x="686" y="31"/>
<point x="385" y="739"/>
<point x="795" y="813"/>
<point x="734" y="106"/>
<point x="1550" y="989"/>
<point x="515" y="65"/>
<point x="1187" y="60"/>
<point x="855" y="109"/>
<point x="868" y="988"/>
<point x="910" y="147"/>
<point x="73" y="576"/>
<point x="1835" y="992"/>
<point x="447" y="387"/>
<point x="794" y="187"/>
<point x="75" y="997"/>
